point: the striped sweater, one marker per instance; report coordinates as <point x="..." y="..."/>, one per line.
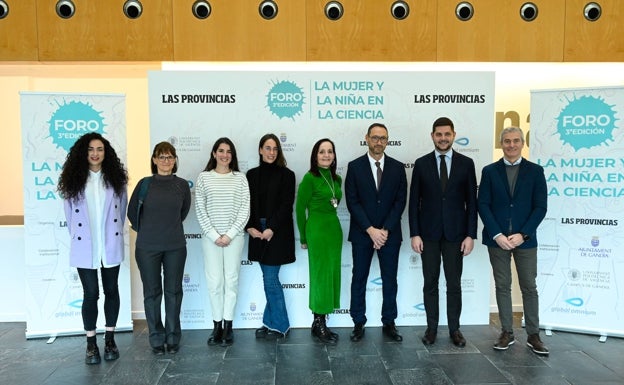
<point x="222" y="203"/>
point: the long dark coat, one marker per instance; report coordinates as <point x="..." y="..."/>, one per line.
<point x="279" y="184"/>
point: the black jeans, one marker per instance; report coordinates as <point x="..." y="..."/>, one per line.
<point x="171" y="263"/>
<point x="91" y="291"/>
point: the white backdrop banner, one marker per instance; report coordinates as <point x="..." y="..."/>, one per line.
<point x="577" y="135"/>
<point x="192" y="109"/>
<point x="51" y="123"/>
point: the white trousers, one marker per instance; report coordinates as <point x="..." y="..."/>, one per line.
<point x="222" y="265"/>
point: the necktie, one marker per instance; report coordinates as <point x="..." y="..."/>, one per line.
<point x="443" y="172"/>
<point x="379" y="172"/>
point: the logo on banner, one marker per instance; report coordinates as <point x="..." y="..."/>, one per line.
<point x="72" y="120"/>
<point x="595" y="241"/>
<point x="576" y="301"/>
<point x="463" y="141"/>
<point x="286" y="147"/>
<point x="574" y="275"/>
<point x="586" y="122"/>
<point x="285" y="99"/>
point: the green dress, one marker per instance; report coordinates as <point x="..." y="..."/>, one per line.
<point x="320" y="229"/>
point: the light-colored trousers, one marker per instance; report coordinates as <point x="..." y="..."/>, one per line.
<point x="222" y="265"/>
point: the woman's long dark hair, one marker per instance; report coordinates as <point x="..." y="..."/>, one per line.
<point x="279" y="160"/>
<point x="75" y="171"/>
<point x="212" y="162"/>
<point x="314" y="168"/>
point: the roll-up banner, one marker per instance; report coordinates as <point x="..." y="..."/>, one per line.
<point x="577" y="136"/>
<point x="51" y="123"/>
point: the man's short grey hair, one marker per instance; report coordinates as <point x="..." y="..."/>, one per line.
<point x="511" y="129"/>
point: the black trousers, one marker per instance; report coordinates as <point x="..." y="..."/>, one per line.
<point x="171" y="263"/>
<point x="388" y="266"/>
<point x="91" y="294"/>
<point x="450" y="256"/>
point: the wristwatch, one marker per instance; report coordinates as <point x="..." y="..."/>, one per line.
<point x="525" y="237"/>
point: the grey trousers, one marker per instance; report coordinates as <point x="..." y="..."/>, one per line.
<point x="526" y="267"/>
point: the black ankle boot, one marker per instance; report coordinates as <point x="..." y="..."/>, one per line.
<point x="110" y="348"/>
<point x="321" y="332"/>
<point x="228" y="334"/>
<point x="93" y="353"/>
<point x="217" y="333"/>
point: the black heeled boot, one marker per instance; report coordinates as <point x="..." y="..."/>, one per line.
<point x="93" y="353"/>
<point x="320" y="330"/>
<point x="228" y="334"/>
<point x="110" y="348"/>
<point x="217" y="333"/>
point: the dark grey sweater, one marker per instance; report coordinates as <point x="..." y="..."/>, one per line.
<point x="167" y="203"/>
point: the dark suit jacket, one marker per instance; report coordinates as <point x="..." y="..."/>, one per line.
<point x="280" y="182"/>
<point x="368" y="207"/>
<point x="524" y="210"/>
<point x="452" y="215"/>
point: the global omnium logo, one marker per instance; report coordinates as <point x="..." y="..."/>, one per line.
<point x="586" y="122"/>
<point x="72" y="120"/>
<point x="285" y="99"/>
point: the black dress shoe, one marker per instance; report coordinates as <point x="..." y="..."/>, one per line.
<point x="429" y="337"/>
<point x="173" y="349"/>
<point x="262" y="332"/>
<point x="391" y="332"/>
<point x="458" y="339"/>
<point x="357" y="333"/>
<point x="158" y="350"/>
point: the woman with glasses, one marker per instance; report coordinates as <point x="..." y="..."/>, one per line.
<point x="93" y="186"/>
<point x="158" y="206"/>
<point x="271" y="230"/>
<point x="222" y="207"/>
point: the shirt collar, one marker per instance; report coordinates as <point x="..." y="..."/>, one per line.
<point x="449" y="153"/>
<point x="372" y="160"/>
<point x="508" y="163"/>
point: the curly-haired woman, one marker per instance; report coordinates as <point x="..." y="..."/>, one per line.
<point x="93" y="186"/>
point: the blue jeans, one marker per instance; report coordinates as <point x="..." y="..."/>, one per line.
<point x="275" y="313"/>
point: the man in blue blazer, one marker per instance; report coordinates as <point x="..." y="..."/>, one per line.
<point x="376" y="192"/>
<point x="443" y="224"/>
<point x="512" y="203"/>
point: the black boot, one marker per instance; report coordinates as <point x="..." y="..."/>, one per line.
<point x="93" y="353"/>
<point x="228" y="334"/>
<point x="110" y="348"/>
<point x="334" y="335"/>
<point x="320" y="330"/>
<point x="217" y="333"/>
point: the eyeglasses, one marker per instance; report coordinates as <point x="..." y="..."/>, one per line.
<point x="376" y="139"/>
<point x="166" y="158"/>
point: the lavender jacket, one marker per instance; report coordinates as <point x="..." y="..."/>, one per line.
<point x="77" y="216"/>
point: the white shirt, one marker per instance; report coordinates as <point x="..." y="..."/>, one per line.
<point x="95" y="195"/>
<point x="449" y="159"/>
<point x="372" y="161"/>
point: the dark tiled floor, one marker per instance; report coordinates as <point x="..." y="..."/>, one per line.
<point x="298" y="360"/>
